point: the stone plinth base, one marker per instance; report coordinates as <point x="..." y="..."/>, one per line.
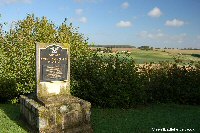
<point x="56" y="114"/>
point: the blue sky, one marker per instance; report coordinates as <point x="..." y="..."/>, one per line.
<point x="158" y="23"/>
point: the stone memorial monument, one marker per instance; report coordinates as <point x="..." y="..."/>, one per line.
<point x="52" y="109"/>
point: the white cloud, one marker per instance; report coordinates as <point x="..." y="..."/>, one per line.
<point x="78" y="1"/>
<point x="155" y="35"/>
<point x="90" y="1"/>
<point x="83" y="20"/>
<point x="125" y="5"/>
<point x="62" y="8"/>
<point x="162" y="37"/>
<point x="174" y="23"/>
<point x="198" y="37"/>
<point x="124" y="24"/>
<point x="179" y="38"/>
<point x="7" y="2"/>
<point x="155" y="12"/>
<point x="79" y="11"/>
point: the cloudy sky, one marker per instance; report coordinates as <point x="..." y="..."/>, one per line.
<point x="158" y="23"/>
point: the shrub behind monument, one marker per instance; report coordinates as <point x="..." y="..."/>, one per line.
<point x="18" y="46"/>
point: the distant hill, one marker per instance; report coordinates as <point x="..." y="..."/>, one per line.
<point x="113" y="46"/>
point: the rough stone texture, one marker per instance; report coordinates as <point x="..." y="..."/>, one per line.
<point x="56" y="114"/>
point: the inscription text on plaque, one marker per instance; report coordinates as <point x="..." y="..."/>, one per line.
<point x="53" y="63"/>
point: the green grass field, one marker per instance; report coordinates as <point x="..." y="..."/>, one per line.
<point x="140" y="120"/>
<point x="143" y="56"/>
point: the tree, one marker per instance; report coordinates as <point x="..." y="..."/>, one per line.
<point x="18" y="46"/>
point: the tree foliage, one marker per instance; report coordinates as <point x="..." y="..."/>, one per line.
<point x="18" y="50"/>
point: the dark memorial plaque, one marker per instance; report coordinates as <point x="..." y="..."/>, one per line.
<point x="53" y="64"/>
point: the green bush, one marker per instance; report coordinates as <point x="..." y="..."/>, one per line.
<point x="114" y="81"/>
<point x="108" y="82"/>
<point x="8" y="89"/>
<point x="18" y="50"/>
<point x="173" y="83"/>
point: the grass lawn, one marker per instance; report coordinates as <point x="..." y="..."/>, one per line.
<point x="140" y="120"/>
<point x="9" y="119"/>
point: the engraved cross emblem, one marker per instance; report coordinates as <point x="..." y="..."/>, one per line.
<point x="54" y="50"/>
